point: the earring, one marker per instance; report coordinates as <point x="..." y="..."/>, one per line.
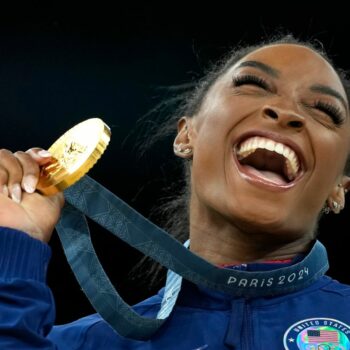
<point x="179" y="149"/>
<point x="335" y="205"/>
<point x="345" y="189"/>
<point x="186" y="151"/>
<point x="326" y="209"/>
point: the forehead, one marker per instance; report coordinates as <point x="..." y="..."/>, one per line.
<point x="296" y="63"/>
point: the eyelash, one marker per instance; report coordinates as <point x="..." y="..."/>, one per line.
<point x="249" y="80"/>
<point x="331" y="110"/>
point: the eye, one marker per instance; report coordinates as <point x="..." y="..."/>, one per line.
<point x="249" y="80"/>
<point x="332" y="111"/>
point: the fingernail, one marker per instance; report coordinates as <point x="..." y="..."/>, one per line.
<point x="5" y="190"/>
<point x="16" y="193"/>
<point x="44" y="153"/>
<point x="29" y="183"/>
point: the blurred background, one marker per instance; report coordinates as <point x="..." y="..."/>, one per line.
<point x="61" y="64"/>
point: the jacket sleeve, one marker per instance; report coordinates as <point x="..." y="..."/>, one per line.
<point x="26" y="303"/>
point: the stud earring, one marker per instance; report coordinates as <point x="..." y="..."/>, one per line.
<point x="335" y="205"/>
<point x="345" y="189"/>
<point x="186" y="151"/>
<point x="326" y="209"/>
<point x="179" y="149"/>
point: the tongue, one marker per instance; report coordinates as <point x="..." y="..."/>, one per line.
<point x="266" y="175"/>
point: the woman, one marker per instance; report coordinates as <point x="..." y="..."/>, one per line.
<point x="268" y="138"/>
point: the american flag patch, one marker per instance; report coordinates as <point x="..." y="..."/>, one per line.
<point x="322" y="336"/>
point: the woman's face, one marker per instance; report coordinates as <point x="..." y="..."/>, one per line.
<point x="270" y="142"/>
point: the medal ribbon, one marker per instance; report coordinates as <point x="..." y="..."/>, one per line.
<point x="89" y="198"/>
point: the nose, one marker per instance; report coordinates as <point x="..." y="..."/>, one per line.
<point x="284" y="116"/>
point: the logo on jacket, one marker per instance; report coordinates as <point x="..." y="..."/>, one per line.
<point x="317" y="334"/>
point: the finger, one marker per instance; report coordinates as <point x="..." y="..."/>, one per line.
<point x="30" y="169"/>
<point x="3" y="181"/>
<point x="40" y="155"/>
<point x="15" y="174"/>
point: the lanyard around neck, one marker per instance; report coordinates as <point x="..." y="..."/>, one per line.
<point x="89" y="198"/>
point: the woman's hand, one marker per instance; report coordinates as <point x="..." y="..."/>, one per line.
<point x="21" y="207"/>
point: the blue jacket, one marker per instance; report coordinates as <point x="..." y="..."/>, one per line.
<point x="201" y="319"/>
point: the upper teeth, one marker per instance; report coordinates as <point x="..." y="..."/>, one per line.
<point x="250" y="145"/>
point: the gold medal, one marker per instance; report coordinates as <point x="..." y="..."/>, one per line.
<point x="74" y="154"/>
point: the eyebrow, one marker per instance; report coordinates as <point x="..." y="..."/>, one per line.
<point x="273" y="72"/>
<point x="327" y="90"/>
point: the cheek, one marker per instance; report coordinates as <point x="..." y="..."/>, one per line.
<point x="213" y="155"/>
<point x="223" y="108"/>
<point x="332" y="154"/>
<point x="208" y="165"/>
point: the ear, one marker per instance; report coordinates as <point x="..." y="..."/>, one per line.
<point x="336" y="200"/>
<point x="183" y="146"/>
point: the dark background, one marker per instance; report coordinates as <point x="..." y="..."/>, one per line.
<point x="62" y="64"/>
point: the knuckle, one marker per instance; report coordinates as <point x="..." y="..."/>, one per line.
<point x="4" y="152"/>
<point x="9" y="163"/>
<point x="27" y="162"/>
<point x="19" y="153"/>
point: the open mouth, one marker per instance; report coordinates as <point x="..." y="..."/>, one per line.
<point x="268" y="161"/>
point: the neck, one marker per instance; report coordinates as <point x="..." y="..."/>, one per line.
<point x="220" y="243"/>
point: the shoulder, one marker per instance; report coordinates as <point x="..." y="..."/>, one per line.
<point x="150" y="307"/>
<point x="337" y="288"/>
